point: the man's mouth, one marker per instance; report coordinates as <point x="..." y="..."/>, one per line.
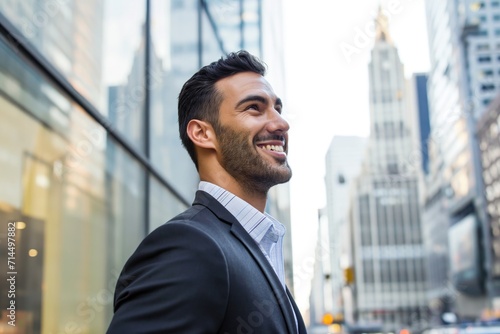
<point x="275" y="148"/>
<point x="273" y="144"/>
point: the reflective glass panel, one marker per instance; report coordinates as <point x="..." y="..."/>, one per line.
<point x="68" y="34"/>
<point x="225" y="14"/>
<point x="174" y="59"/>
<point x="124" y="55"/>
<point x="98" y="46"/>
<point x="76" y="200"/>
<point x="163" y="205"/>
<point x="211" y="49"/>
<point x="251" y="26"/>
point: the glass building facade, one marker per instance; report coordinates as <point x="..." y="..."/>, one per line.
<point x="464" y="41"/>
<point x="488" y="130"/>
<point x="89" y="150"/>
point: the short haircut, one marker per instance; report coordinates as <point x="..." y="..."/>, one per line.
<point x="199" y="98"/>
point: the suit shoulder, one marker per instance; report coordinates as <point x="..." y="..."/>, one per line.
<point x="197" y="217"/>
<point x="189" y="232"/>
<point x="194" y="213"/>
<point x="197" y="222"/>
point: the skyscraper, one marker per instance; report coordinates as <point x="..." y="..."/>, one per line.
<point x="343" y="164"/>
<point x="422" y="130"/>
<point x="464" y="40"/>
<point x="488" y="134"/>
<point x="386" y="226"/>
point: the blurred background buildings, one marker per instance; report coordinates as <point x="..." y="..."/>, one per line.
<point x="422" y="230"/>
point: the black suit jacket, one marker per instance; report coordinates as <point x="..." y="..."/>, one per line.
<point x="201" y="272"/>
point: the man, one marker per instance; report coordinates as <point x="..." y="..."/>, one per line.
<point x="218" y="267"/>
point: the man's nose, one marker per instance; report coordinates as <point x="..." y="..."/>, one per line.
<point x="277" y="122"/>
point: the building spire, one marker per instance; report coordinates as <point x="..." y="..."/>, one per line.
<point x="382" y="27"/>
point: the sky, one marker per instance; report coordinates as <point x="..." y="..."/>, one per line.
<point x="327" y="51"/>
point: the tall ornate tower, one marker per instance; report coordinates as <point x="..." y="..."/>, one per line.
<point x="387" y="240"/>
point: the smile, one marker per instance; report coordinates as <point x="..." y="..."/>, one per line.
<point x="275" y="148"/>
<point x="278" y="151"/>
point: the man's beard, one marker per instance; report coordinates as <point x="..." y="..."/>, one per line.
<point x="241" y="160"/>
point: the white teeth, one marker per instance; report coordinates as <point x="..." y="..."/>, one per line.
<point x="275" y="148"/>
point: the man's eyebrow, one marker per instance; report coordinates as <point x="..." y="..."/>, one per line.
<point x="257" y="98"/>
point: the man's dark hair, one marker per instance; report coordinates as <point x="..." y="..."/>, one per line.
<point x="199" y="99"/>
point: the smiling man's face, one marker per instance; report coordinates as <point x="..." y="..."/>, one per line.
<point x="252" y="134"/>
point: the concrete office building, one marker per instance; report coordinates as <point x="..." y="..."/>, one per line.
<point x="89" y="148"/>
<point x="343" y="164"/>
<point x="388" y="252"/>
<point x="319" y="299"/>
<point x="464" y="41"/>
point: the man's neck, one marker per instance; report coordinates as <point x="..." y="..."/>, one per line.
<point x="254" y="198"/>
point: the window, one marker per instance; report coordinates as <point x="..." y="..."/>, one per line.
<point x="446" y="71"/>
<point x="475" y="6"/>
<point x="487" y="73"/>
<point x="484" y="59"/>
<point x="365" y="222"/>
<point x="482" y="47"/>
<point x="384" y="55"/>
<point x="486" y="87"/>
<point x="402" y="270"/>
<point x="392" y="168"/>
<point x="385" y="271"/>
<point x="368" y="274"/>
<point x="389" y="130"/>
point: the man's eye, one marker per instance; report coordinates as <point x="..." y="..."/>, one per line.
<point x="252" y="107"/>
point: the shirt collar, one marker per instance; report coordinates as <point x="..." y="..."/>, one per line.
<point x="256" y="223"/>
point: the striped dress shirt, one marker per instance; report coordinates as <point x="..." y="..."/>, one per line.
<point x="267" y="232"/>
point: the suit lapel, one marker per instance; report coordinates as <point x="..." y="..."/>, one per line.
<point x="268" y="271"/>
<point x="242" y="235"/>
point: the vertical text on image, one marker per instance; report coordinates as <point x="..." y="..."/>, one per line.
<point x="11" y="273"/>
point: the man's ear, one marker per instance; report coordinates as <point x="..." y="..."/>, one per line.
<point x="201" y="133"/>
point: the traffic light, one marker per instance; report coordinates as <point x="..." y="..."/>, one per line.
<point x="349" y="275"/>
<point x="329" y="318"/>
